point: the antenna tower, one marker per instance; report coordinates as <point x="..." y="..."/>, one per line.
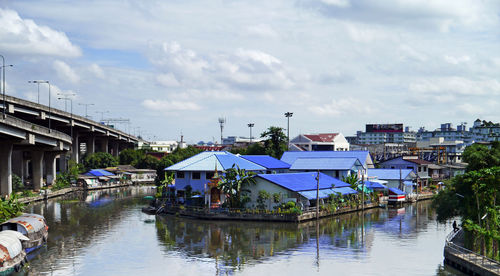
<point x="222" y="121"/>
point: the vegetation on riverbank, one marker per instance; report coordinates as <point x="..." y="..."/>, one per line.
<point x="10" y="207"/>
<point x="473" y="196"/>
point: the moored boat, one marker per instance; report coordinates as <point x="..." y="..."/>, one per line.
<point x="33" y="226"/>
<point x="12" y="255"/>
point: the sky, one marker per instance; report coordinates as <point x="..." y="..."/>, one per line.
<point x="176" y="66"/>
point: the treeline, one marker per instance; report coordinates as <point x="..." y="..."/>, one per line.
<point x="274" y="145"/>
<point x="473" y="197"/>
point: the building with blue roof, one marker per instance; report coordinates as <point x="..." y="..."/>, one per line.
<point x="338" y="167"/>
<point x="298" y="187"/>
<point x="363" y="156"/>
<point x="402" y="179"/>
<point x="198" y="170"/>
<point x="271" y="164"/>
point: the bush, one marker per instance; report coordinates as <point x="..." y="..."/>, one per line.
<point x="99" y="160"/>
<point x="17" y="183"/>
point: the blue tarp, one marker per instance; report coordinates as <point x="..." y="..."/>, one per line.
<point x="98" y="172"/>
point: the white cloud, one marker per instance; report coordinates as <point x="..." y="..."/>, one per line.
<point x="457" y="85"/>
<point x="169" y="106"/>
<point x="97" y="71"/>
<point x="65" y="72"/>
<point x="167" y="80"/>
<point x="340" y="107"/>
<point x="24" y="36"/>
<point x="457" y="60"/>
<point x="262" y="30"/>
<point x="338" y="3"/>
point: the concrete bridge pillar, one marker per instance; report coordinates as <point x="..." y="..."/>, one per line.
<point x="62" y="162"/>
<point x="75" y="147"/>
<point x="91" y="144"/>
<point x="50" y="167"/>
<point x="26" y="169"/>
<point x="116" y="148"/>
<point x="18" y="164"/>
<point x="105" y="144"/>
<point x="37" y="166"/>
<point x="5" y="168"/>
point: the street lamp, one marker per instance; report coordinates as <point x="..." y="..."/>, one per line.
<point x="47" y="82"/>
<point x="250" y="125"/>
<point x="102" y="114"/>
<point x="3" y="83"/>
<point x="38" y="84"/>
<point x="288" y="115"/>
<point x="66" y="98"/>
<point x="86" y="106"/>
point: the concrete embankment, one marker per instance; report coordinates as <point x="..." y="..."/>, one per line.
<point x="51" y="194"/>
<point x="466" y="260"/>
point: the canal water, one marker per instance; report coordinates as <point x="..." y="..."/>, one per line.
<point x="105" y="233"/>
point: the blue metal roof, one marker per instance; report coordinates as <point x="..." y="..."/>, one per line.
<point x="290" y="156"/>
<point x="229" y="160"/>
<point x="374" y="185"/>
<point x="325" y="163"/>
<point x="303" y="181"/>
<point x="267" y="161"/>
<point x="208" y="160"/>
<point x="396" y="191"/>
<point x="324" y="193"/>
<point x="98" y="172"/>
<point x="391" y="174"/>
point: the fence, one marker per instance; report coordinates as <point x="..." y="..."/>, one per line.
<point x="469" y="256"/>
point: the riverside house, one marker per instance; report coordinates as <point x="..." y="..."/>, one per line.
<point x="197" y="173"/>
<point x="394" y="177"/>
<point x="297" y="187"/>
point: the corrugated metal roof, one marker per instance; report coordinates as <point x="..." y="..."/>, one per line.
<point x="30" y="224"/>
<point x="267" y="161"/>
<point x="290" y="156"/>
<point x="10" y="241"/>
<point x="324" y="193"/>
<point x="390" y="174"/>
<point x="99" y="172"/>
<point x="303" y="181"/>
<point x="229" y="160"/>
<point x="322" y="137"/>
<point x="374" y="185"/>
<point x="324" y="163"/>
<point x="207" y="161"/>
<point x="396" y="191"/>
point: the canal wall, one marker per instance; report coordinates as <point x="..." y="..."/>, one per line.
<point x="466" y="260"/>
<point x="46" y="194"/>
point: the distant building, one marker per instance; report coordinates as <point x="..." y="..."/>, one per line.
<point x="385" y="133"/>
<point x="239" y="142"/>
<point x="319" y="142"/>
<point x="440" y="150"/>
<point x="481" y="131"/>
<point x="419" y="166"/>
<point x="396" y="178"/>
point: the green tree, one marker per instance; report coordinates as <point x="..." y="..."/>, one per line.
<point x="128" y="156"/>
<point x="276" y="142"/>
<point x="99" y="160"/>
<point x="480" y="156"/>
<point x="352" y="179"/>
<point x="233" y="184"/>
<point x="146" y="162"/>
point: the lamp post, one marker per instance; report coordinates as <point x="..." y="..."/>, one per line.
<point x="250" y="125"/>
<point x="86" y="106"/>
<point x="3" y="83"/>
<point x="288" y="115"/>
<point x="47" y="82"/>
<point x="66" y="98"/>
<point x="102" y="114"/>
<point x="38" y="84"/>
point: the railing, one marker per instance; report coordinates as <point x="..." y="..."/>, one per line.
<point x="470" y="256"/>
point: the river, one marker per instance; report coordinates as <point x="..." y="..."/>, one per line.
<point x="105" y="233"/>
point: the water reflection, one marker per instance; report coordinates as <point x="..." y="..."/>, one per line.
<point x="236" y="245"/>
<point x="74" y="223"/>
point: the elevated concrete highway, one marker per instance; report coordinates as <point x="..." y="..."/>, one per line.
<point x="33" y="137"/>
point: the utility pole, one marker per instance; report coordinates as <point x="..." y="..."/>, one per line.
<point x="288" y="115"/>
<point x="317" y="197"/>
<point x="363" y="192"/>
<point x="86" y="106"/>
<point x="250" y="125"/>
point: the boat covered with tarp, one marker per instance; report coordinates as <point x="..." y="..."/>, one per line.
<point x="32" y="226"/>
<point x="12" y="254"/>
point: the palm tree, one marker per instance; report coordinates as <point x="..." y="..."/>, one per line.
<point x="233" y="183"/>
<point x="351" y="179"/>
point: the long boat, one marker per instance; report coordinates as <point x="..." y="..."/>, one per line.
<point x="12" y="255"/>
<point x="32" y="226"/>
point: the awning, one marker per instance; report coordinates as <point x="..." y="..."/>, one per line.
<point x="324" y="193"/>
<point x="396" y="191"/>
<point x="374" y="185"/>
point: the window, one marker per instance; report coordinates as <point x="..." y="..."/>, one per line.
<point x="392" y="167"/>
<point x="409" y="167"/>
<point x="180" y="175"/>
<point x="209" y="175"/>
<point x="419" y="169"/>
<point x="425" y="169"/>
<point x="196" y="175"/>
